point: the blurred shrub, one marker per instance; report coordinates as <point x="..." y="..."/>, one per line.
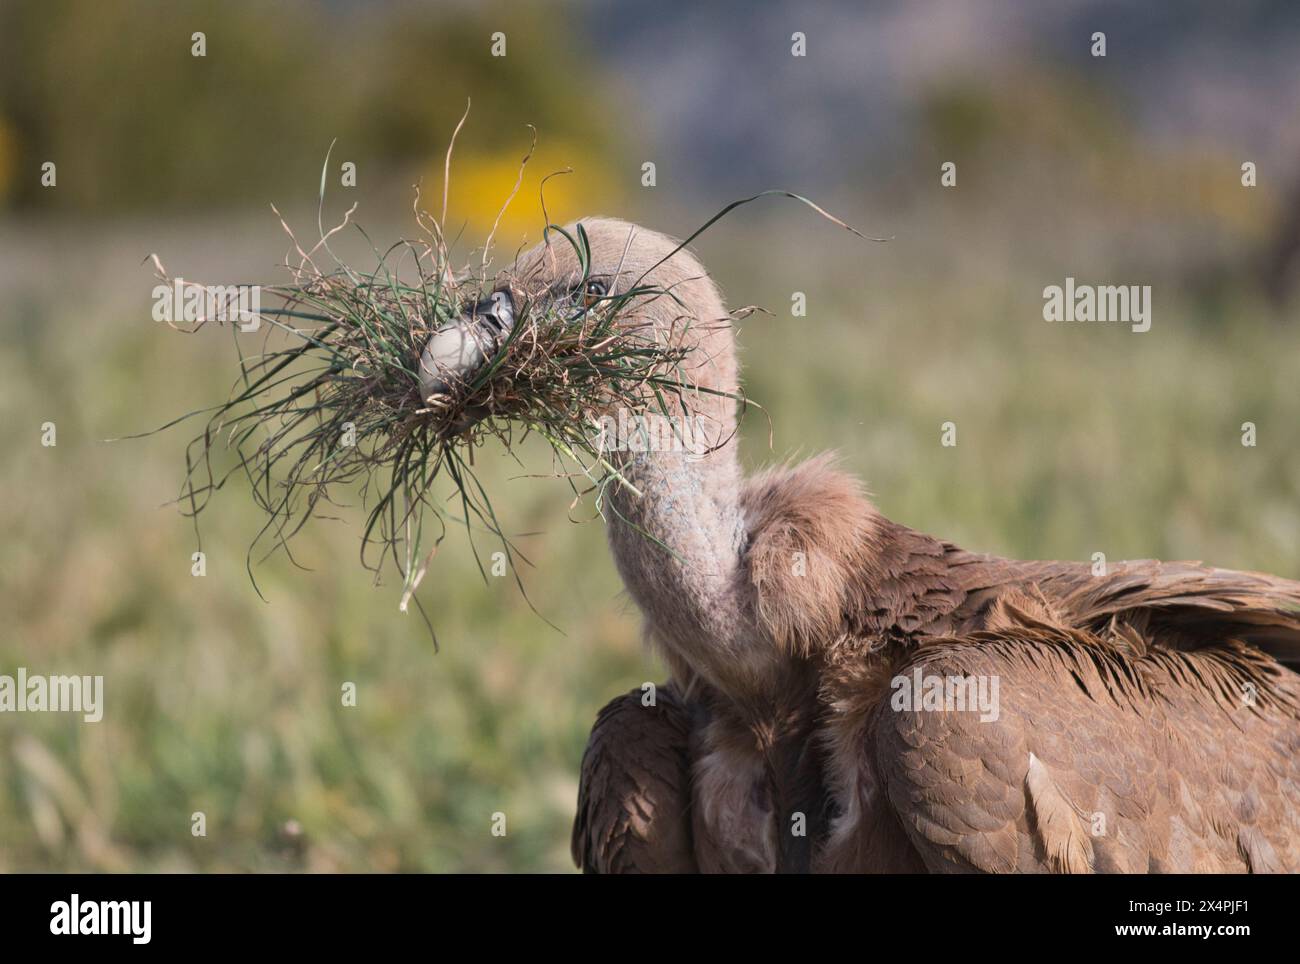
<point x="138" y="122"/>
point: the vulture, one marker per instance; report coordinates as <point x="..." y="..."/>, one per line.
<point x="847" y="694"/>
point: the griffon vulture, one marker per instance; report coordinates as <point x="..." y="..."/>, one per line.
<point x="1141" y="721"/>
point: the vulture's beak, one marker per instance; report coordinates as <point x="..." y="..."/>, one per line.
<point x="457" y="350"/>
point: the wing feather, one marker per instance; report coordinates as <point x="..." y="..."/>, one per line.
<point x="1100" y="759"/>
<point x="1187" y="604"/>
<point x="634" y="794"/>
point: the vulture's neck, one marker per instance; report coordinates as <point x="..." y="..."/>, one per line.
<point x="679" y="546"/>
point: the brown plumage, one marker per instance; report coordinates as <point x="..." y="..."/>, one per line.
<point x="1141" y="722"/>
<point x="639" y="755"/>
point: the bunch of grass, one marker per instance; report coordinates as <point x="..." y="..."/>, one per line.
<point x="333" y="401"/>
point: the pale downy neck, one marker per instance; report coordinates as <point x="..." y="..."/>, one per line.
<point x="694" y="597"/>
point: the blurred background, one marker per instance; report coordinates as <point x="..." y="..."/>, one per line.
<point x="1072" y="439"/>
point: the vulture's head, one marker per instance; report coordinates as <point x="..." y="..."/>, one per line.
<point x="662" y="293"/>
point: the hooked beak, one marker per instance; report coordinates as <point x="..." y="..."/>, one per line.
<point x="456" y="351"/>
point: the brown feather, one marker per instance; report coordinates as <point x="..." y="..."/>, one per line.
<point x="634" y="795"/>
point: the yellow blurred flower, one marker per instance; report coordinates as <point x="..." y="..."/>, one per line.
<point x="482" y="182"/>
